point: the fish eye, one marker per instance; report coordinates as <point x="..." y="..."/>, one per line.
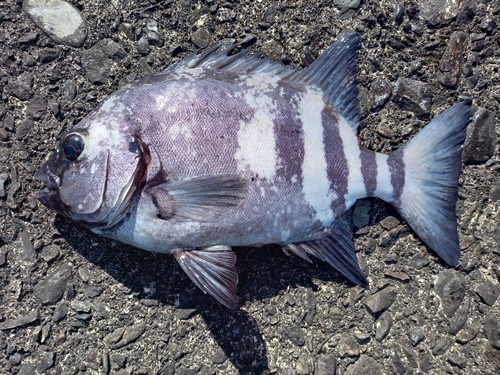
<point x="73" y="146"/>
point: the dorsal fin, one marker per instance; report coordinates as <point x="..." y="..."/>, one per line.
<point x="334" y="71"/>
<point x="218" y="57"/>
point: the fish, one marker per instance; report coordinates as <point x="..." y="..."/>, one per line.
<point x="228" y="149"/>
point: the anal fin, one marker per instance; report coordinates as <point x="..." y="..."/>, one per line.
<point x="213" y="270"/>
<point x="337" y="249"/>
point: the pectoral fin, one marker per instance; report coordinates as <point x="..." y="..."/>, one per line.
<point x="337" y="250"/>
<point x="213" y="270"/>
<point x="198" y="198"/>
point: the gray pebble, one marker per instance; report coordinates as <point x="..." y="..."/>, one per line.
<point x="296" y="335"/>
<point x="438" y="12"/>
<point x="119" y="359"/>
<point x="456" y="359"/>
<point x="121" y="337"/>
<point x="92" y="291"/>
<point x="419" y="261"/>
<point x="414" y="96"/>
<point x="46" y="362"/>
<point x="168" y="369"/>
<point x="49" y="253"/>
<point x="398" y="364"/>
<point x="112" y="49"/>
<point x="21" y="320"/>
<point x="425" y="363"/>
<point x="399" y="12"/>
<point x="417" y="335"/>
<point x="48" y="55"/>
<point x="381" y="300"/>
<point x="81" y="306"/>
<point x="481" y="137"/>
<point x="326" y="365"/>
<point x="364" y="365"/>
<point x="21" y="88"/>
<point x="411" y="356"/>
<point x="450" y="287"/>
<point x="23" y="128"/>
<point x="467" y="12"/>
<point x="219" y="357"/>
<point x="201" y="37"/>
<point x="26" y="368"/>
<point x="488" y="292"/>
<point x="36" y="108"/>
<point x="60" y="20"/>
<point x="381" y="92"/>
<point x="449" y="66"/>
<point x="97" y="65"/>
<point x="488" y="24"/>
<point x="384" y="325"/>
<point x="460" y="318"/>
<point x="302" y="366"/>
<point x="3" y="178"/>
<point x="28" y="60"/>
<point x="347" y="347"/>
<point x="70" y="90"/>
<point x="51" y="289"/>
<point x="60" y="311"/>
<point x="143" y="46"/>
<point x="15" y="359"/>
<point x="153" y="34"/>
<point x="3" y="255"/>
<point x="492" y="329"/>
<point x="28" y="252"/>
<point x="105" y="362"/>
<point x="441" y="347"/>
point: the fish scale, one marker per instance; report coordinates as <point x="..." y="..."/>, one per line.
<point x="225" y="150"/>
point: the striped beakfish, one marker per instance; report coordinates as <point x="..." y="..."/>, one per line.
<point x="223" y="150"/>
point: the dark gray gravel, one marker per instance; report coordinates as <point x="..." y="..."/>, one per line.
<point x="74" y="303"/>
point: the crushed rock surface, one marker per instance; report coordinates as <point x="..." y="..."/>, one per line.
<point x="75" y="303"/>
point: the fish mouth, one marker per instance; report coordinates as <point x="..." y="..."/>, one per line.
<point x="49" y="196"/>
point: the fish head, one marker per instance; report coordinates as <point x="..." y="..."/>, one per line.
<point x="95" y="173"/>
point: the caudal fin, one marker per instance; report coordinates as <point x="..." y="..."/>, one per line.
<point x="432" y="165"/>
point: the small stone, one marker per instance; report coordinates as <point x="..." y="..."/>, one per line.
<point x="28" y="252"/>
<point x="381" y="92"/>
<point x="20" y="321"/>
<point x="441" y="347"/>
<point x="411" y="356"/>
<point x="450" y="287"/>
<point x="48" y="55"/>
<point x="488" y="292"/>
<point x="399" y="13"/>
<point x="15" y="359"/>
<point x="97" y="65"/>
<point x="119" y="359"/>
<point x="384" y="325"/>
<point x="201" y="37"/>
<point x="381" y="300"/>
<point x="22" y="87"/>
<point x="467" y="12"/>
<point x="401" y="276"/>
<point x="421" y="260"/>
<point x="456" y="359"/>
<point x="49" y="253"/>
<point x="112" y="49"/>
<point x="417" y="335"/>
<point x="347" y="347"/>
<point x="51" y="289"/>
<point x="449" y="66"/>
<point x="460" y="318"/>
<point x="413" y="96"/>
<point x="26" y="368"/>
<point x="481" y="137"/>
<point x="121" y="337"/>
<point x="219" y="357"/>
<point x="362" y="337"/>
<point x="70" y="90"/>
<point x="143" y="45"/>
<point x="468" y="334"/>
<point x="153" y="34"/>
<point x="438" y="12"/>
<point x="60" y="311"/>
<point x="302" y="366"/>
<point x="296" y="335"/>
<point x="60" y="20"/>
<point x="492" y="329"/>
<point x="389" y="223"/>
<point x="36" y="108"/>
<point x="488" y="24"/>
<point x="46" y="362"/>
<point x="326" y="365"/>
<point x="92" y="291"/>
<point x="364" y="365"/>
<point x="398" y="364"/>
<point x="23" y="129"/>
<point x="81" y="306"/>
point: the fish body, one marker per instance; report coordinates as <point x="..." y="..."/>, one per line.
<point x="220" y="151"/>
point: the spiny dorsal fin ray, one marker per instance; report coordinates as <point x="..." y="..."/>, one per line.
<point x="213" y="270"/>
<point x="334" y="71"/>
<point x="337" y="250"/>
<point x="218" y="57"/>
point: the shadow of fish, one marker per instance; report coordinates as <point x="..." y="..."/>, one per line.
<point x="226" y="150"/>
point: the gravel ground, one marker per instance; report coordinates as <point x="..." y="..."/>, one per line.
<point x="76" y="303"/>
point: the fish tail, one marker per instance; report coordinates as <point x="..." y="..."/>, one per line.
<point x="424" y="181"/>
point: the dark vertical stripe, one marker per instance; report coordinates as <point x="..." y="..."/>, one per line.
<point x="369" y="171"/>
<point x="337" y="168"/>
<point x="397" y="169"/>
